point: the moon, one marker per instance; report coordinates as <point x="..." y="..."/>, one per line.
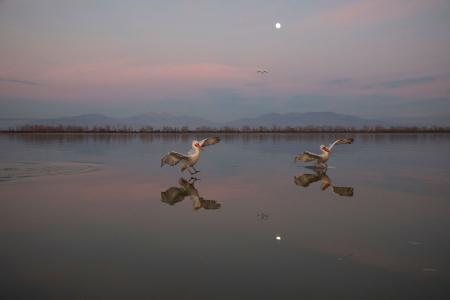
<point x="277" y="25"/>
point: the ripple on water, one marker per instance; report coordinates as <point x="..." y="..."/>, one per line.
<point x="11" y="171"/>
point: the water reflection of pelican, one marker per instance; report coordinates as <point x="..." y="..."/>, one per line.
<point x="321" y="175"/>
<point x="187" y="188"/>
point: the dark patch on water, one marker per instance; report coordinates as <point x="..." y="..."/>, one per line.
<point x="11" y="171"/>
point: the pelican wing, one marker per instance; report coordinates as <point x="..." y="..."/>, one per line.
<point x="208" y="204"/>
<point x="209" y="141"/>
<point x="172" y="158"/>
<point x="308" y="156"/>
<point x="173" y="195"/>
<point x="306" y="179"/>
<point x="343" y="191"/>
<point x="341" y="142"/>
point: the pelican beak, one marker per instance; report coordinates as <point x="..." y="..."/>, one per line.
<point x="325" y="186"/>
<point x="326" y="149"/>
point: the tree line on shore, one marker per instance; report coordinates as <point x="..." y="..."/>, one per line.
<point x="226" y="129"/>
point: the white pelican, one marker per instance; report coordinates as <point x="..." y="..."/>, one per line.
<point x="189" y="160"/>
<point x="321" y="159"/>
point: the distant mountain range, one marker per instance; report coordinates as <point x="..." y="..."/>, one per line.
<point x="159" y="120"/>
<point x="305" y="119"/>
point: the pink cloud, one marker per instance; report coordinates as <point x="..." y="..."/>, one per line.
<point x="125" y="73"/>
<point x="123" y="78"/>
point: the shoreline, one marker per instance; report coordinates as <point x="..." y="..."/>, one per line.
<point x="387" y="131"/>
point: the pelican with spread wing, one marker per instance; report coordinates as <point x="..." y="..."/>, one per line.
<point x="189" y="160"/>
<point x="322" y="158"/>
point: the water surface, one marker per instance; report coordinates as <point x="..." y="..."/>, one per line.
<point x="96" y="217"/>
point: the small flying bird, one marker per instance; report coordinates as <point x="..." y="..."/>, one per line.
<point x="262" y="72"/>
<point x="189" y="160"/>
<point x="321" y="159"/>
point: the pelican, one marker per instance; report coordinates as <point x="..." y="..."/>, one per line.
<point x="176" y="194"/>
<point x="321" y="159"/>
<point x="189" y="160"/>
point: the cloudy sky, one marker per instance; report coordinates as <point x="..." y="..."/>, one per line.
<point x="372" y="58"/>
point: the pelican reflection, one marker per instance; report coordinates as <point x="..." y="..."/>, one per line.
<point x="185" y="189"/>
<point x="321" y="175"/>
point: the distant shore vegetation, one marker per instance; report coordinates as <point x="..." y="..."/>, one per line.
<point x="243" y="129"/>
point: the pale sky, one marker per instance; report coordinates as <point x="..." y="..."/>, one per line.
<point x="371" y="58"/>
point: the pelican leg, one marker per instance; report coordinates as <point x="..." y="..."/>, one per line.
<point x="192" y="180"/>
<point x="321" y="165"/>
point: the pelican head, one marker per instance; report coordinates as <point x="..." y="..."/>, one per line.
<point x="324" y="149"/>
<point x="196" y="145"/>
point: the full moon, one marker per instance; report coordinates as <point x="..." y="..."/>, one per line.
<point x="277" y="25"/>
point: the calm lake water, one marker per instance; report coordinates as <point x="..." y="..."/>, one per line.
<point x="96" y="217"/>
